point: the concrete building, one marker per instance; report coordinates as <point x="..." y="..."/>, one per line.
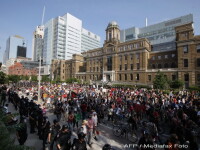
<point x="65" y="36"/>
<point x="89" y="40"/>
<point x="3" y="68"/>
<point x="134" y="62"/>
<point x="161" y="35"/>
<point x="15" y="47"/>
<point x="37" y="43"/>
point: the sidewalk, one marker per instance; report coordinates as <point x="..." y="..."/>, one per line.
<point x="33" y="139"/>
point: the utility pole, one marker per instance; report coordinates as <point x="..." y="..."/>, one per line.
<point x="39" y="79"/>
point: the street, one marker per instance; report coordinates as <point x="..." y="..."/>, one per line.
<point x="105" y="136"/>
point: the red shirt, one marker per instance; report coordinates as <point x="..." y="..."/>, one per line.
<point x="84" y="107"/>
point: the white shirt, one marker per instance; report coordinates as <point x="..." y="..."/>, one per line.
<point x="48" y="100"/>
<point x="84" y="129"/>
<point x="118" y="111"/>
<point x="94" y="118"/>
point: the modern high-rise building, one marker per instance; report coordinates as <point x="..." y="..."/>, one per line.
<point x="37" y="43"/>
<point x="65" y="36"/>
<point x="15" y="47"/>
<point x="89" y="40"/>
<point x="161" y="35"/>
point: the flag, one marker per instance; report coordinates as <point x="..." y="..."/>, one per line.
<point x="73" y="94"/>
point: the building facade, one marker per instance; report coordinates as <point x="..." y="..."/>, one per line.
<point x="37" y="43"/>
<point x="22" y="69"/>
<point x="89" y="40"/>
<point x="12" y="61"/>
<point x="162" y="36"/>
<point x="64" y="36"/>
<point x="134" y="62"/>
<point x="15" y="47"/>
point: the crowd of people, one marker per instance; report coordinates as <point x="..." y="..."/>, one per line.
<point x="82" y="108"/>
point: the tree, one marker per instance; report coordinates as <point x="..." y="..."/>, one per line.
<point x="45" y="78"/>
<point x="6" y="137"/>
<point x="72" y="80"/>
<point x="57" y="79"/>
<point x="34" y="78"/>
<point x="176" y="84"/>
<point x="160" y="81"/>
<point x="25" y="77"/>
<point x="13" y="78"/>
<point x="2" y="78"/>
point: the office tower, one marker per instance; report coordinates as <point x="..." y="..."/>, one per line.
<point x="37" y="43"/>
<point x="161" y="35"/>
<point x="65" y="36"/>
<point x="15" y="47"/>
<point x="89" y="40"/>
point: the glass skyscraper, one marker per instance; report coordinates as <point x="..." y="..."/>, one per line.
<point x="161" y="35"/>
<point x="15" y="47"/>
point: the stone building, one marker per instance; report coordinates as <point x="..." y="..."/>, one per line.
<point x="20" y="69"/>
<point x="134" y="62"/>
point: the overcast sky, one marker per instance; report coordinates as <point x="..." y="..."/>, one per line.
<point x="20" y="17"/>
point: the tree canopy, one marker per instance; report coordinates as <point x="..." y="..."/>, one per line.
<point x="2" y="78"/>
<point x="160" y="81"/>
<point x="13" y="78"/>
<point x="176" y="84"/>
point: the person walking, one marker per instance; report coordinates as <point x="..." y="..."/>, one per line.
<point x="95" y="120"/>
<point x="77" y="118"/>
<point x="110" y="113"/>
<point x="54" y="131"/>
<point x="63" y="139"/>
<point x="58" y="111"/>
<point x="90" y="126"/>
<point x="80" y="143"/>
<point x="71" y="120"/>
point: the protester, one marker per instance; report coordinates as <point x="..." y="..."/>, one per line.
<point x="80" y="143"/>
<point x="176" y="111"/>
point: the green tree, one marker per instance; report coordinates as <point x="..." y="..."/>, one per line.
<point x="25" y="77"/>
<point x="34" y="78"/>
<point x="7" y="141"/>
<point x="45" y="78"/>
<point x="2" y="78"/>
<point x="57" y="79"/>
<point x="72" y="80"/>
<point x="160" y="81"/>
<point x="13" y="78"/>
<point x="176" y="84"/>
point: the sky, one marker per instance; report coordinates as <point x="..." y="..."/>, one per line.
<point x="20" y="17"/>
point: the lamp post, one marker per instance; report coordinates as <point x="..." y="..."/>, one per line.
<point x="39" y="79"/>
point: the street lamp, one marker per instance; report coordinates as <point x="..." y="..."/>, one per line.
<point x="39" y="80"/>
